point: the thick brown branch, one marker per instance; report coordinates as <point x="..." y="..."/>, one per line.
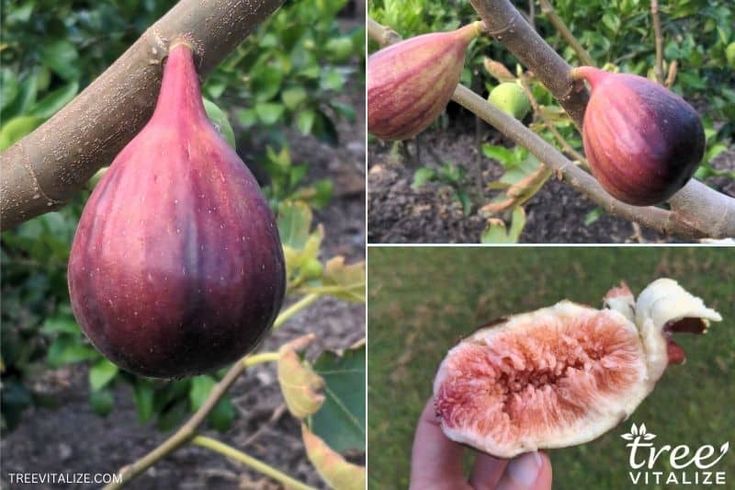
<point x="44" y="169"/>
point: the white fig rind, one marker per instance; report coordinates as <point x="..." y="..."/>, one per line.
<point x="641" y="323"/>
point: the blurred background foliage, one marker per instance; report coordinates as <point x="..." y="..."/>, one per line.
<point x="285" y="75"/>
<point x="412" y="327"/>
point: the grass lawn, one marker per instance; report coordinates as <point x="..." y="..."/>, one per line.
<point x="423" y="300"/>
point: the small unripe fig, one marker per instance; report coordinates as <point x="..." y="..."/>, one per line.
<point x="510" y="98"/>
<point x="643" y="142"/>
<point x="410" y="83"/>
<point x="176" y="267"/>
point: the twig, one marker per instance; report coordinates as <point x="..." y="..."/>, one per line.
<point x="257" y="465"/>
<point x="295" y="308"/>
<point x="566" y="34"/>
<point x="659" y="42"/>
<point x="537" y="110"/>
<point x="671" y="77"/>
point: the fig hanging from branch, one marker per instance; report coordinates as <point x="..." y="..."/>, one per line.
<point x="176" y="267"/>
<point x="643" y="142"/>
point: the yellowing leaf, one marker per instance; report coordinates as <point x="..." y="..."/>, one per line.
<point x="300" y="385"/>
<point x="331" y="466"/>
<point x="348" y="279"/>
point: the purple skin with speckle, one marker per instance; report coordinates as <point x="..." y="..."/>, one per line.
<point x="176" y="268"/>
<point x="643" y="142"/>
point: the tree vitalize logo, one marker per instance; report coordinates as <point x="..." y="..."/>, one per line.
<point x="687" y="467"/>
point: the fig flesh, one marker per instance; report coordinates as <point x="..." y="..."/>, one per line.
<point x="562" y="375"/>
<point x="642" y="141"/>
<point x="410" y="83"/>
<point x="176" y="267"/>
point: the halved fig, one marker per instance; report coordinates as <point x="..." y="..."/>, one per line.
<point x="563" y="375"/>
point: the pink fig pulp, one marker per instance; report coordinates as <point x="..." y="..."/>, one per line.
<point x="176" y="267"/>
<point x="565" y="374"/>
<point x="410" y="83"/>
<point x="643" y="142"/>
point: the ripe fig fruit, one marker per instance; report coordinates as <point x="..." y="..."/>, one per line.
<point x="176" y="267"/>
<point x="565" y="374"/>
<point x="410" y="83"/>
<point x="510" y="98"/>
<point x="643" y="142"/>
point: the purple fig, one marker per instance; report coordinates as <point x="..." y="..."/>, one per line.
<point x="643" y="142"/>
<point x="410" y="83"/>
<point x="176" y="267"/>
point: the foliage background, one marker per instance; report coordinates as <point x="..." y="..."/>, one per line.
<point x="424" y="300"/>
<point x="284" y="75"/>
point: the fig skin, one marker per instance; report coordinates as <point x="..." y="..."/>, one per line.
<point x="410" y="83"/>
<point x="643" y="142"/>
<point x="176" y="267"/>
<point x="563" y="375"/>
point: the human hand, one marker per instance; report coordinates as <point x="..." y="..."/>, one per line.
<point x="436" y="464"/>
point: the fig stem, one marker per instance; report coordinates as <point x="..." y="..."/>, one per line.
<point x="257" y="465"/>
<point x="286" y="314"/>
<point x="259" y="358"/>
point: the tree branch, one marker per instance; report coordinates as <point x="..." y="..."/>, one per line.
<point x="44" y="169"/>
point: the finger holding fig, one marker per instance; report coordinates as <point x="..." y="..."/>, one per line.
<point x="562" y="375"/>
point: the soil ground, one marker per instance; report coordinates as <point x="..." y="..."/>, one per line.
<point x="431" y="214"/>
<point x="71" y="438"/>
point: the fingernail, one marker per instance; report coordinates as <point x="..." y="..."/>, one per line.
<point x="524" y="470"/>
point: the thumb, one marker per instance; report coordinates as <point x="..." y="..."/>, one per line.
<point x="529" y="471"/>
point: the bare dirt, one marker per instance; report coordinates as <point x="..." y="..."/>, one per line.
<point x="71" y="438"/>
<point x="432" y="214"/>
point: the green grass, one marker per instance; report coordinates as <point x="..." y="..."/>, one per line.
<point x="423" y="300"/>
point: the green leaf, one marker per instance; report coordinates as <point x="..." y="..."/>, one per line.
<point x="500" y="153"/>
<point x="344" y="110"/>
<point x="422" y="176"/>
<point x="61" y="56"/>
<point x="266" y="81"/>
<point x="611" y="21"/>
<point x="269" y="112"/>
<point x="54" y="101"/>
<point x="332" y="80"/>
<point x="222" y="415"/>
<point x="496" y="231"/>
<point x="341" y="419"/>
<point x="9" y="89"/>
<point x="246" y="117"/>
<point x="102" y="401"/>
<point x="65" y="350"/>
<point x="201" y="386"/>
<point x="58" y="324"/>
<point x="350" y="279"/>
<point x="101" y="373"/>
<point x="18" y="127"/>
<point x="294" y="223"/>
<point x="305" y="121"/>
<point x="143" y="395"/>
<point x="293" y="97"/>
<point x="592" y="216"/>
